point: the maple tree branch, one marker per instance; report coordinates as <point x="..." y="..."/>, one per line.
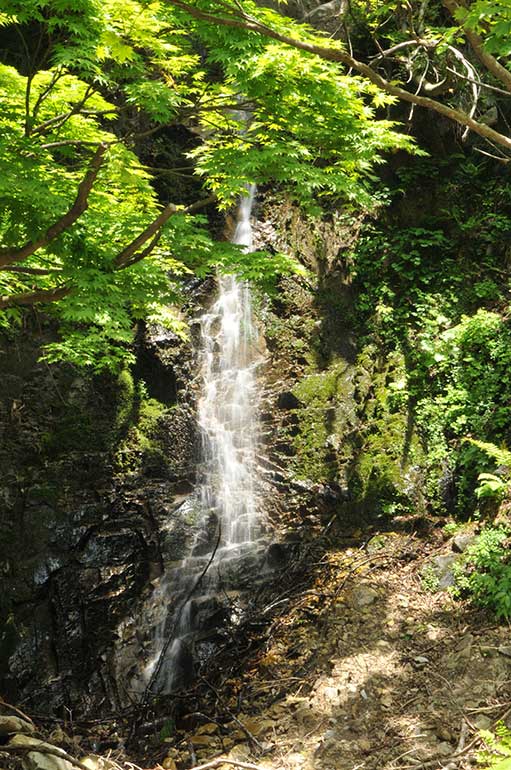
<point x="58" y="74"/>
<point x="240" y="20"/>
<point x="31" y="270"/>
<point x="81" y="202"/>
<point x="33" y="297"/>
<point x="59" y="120"/>
<point x="127" y="256"/>
<point x="139" y="256"/>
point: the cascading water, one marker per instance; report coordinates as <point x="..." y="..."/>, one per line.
<point x="227" y="413"/>
<point x="227" y="538"/>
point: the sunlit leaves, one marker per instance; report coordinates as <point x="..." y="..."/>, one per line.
<point x="492" y="20"/>
<point x="306" y="125"/>
<point x="116" y="71"/>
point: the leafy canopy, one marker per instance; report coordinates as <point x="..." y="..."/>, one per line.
<point x="84" y="230"/>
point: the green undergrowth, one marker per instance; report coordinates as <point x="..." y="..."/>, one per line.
<point x="497" y="752"/>
<point x="483" y="574"/>
<point x="430" y="278"/>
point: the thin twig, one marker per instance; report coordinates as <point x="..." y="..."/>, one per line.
<point x="478" y="82"/>
<point x="234" y="718"/>
<point x="16" y="710"/>
<point x="224" y="761"/>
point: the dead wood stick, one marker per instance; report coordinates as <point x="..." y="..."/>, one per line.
<point x="463" y="736"/>
<point x="234" y="762"/>
<point x="16" y="710"/>
<point x="170" y="636"/>
<point x="440" y="760"/>
<point x="42" y="749"/>
<point x="459" y="752"/>
<point x="141" y="709"/>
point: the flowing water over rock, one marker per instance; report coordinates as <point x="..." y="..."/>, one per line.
<point x="227" y="550"/>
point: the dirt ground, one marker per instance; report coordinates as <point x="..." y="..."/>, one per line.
<point x="371" y="667"/>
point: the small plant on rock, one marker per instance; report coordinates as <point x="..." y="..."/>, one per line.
<point x="430" y="582"/>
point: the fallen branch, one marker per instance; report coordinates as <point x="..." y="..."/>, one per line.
<point x="443" y="759"/>
<point x="170" y="637"/>
<point x="252" y="739"/>
<point x="44" y="749"/>
<point x="234" y="762"/>
<point x="16" y="710"/>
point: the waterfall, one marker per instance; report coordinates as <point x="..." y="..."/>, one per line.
<point x="227" y="414"/>
<point x="226" y="542"/>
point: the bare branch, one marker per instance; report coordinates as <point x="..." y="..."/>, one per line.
<point x="16" y="710"/>
<point x="500" y="158"/>
<point x="170" y="636"/>
<point x="31" y="270"/>
<point x="75" y="143"/>
<point x="223" y="761"/>
<point x="476" y="90"/>
<point x="489" y="61"/>
<point x="479" y="82"/>
<point x="10" y="256"/>
<point x="239" y="20"/>
<point x="405" y="44"/>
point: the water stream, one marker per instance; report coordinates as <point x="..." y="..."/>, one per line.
<point x="226" y="545"/>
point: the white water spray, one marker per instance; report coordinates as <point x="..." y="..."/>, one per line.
<point x="226" y="494"/>
<point x="227" y="409"/>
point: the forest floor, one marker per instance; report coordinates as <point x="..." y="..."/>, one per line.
<point x="372" y="666"/>
<point x="367" y="663"/>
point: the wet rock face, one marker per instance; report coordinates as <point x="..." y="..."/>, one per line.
<point x="81" y="527"/>
<point x="95" y="509"/>
<point x="77" y="597"/>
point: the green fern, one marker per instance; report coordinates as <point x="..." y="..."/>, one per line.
<point x="501" y="455"/>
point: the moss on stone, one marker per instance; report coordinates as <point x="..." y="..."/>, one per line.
<point x="355" y="429"/>
<point x="389" y="447"/>
<point x="325" y="416"/>
<point x="149" y="413"/>
<point x="124" y="400"/>
<point x="142" y="447"/>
